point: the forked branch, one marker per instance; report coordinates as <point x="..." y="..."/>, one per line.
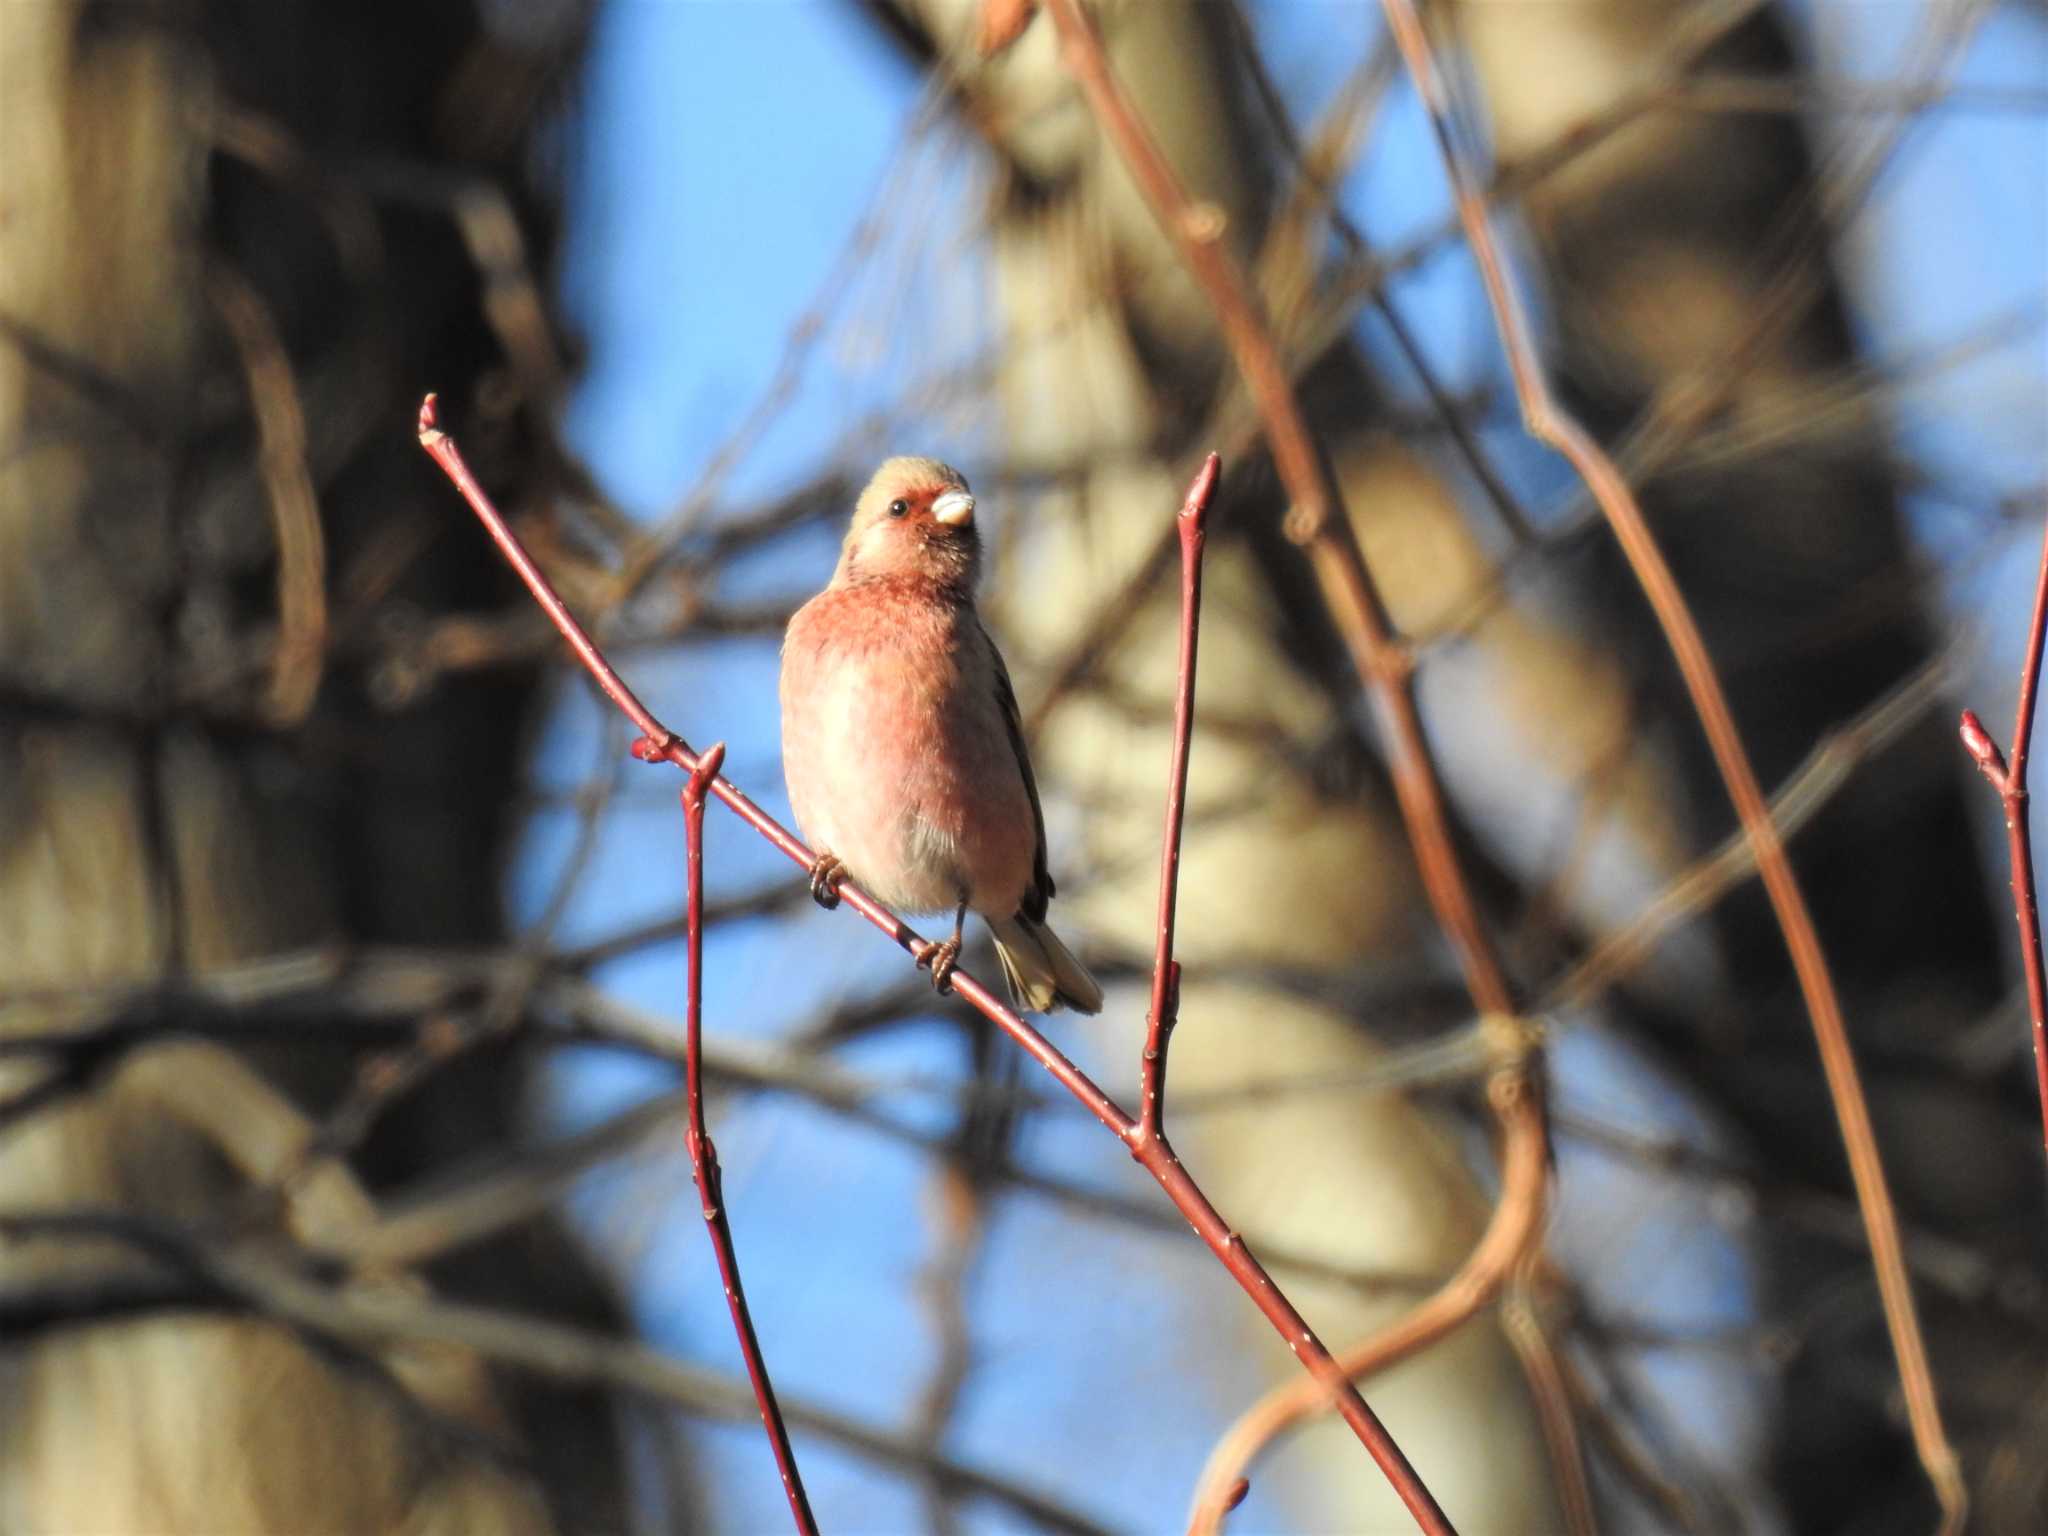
<point x="2010" y="780"/>
<point x="704" y="1156"/>
<point x="659" y="744"/>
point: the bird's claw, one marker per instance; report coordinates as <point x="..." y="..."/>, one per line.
<point x="942" y="958"/>
<point x="826" y="873"/>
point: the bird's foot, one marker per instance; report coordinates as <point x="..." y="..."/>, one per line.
<point x="826" y="873"/>
<point x="943" y="958"/>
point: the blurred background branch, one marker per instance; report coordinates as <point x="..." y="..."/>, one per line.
<point x="339" y="1050"/>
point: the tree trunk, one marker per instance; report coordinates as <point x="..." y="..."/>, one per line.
<point x="207" y="331"/>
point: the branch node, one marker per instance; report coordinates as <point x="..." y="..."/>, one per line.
<point x="1508" y="1088"/>
<point x="1393" y="663"/>
<point x="1203" y="223"/>
<point x="1510" y="1038"/>
<point x="708" y="763"/>
<point x="1305" y="522"/>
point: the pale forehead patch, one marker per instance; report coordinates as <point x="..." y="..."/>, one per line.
<point x="911" y="470"/>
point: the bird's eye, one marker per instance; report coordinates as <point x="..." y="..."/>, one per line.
<point x="898" y="507"/>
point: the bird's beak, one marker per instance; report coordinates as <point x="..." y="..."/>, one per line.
<point x="953" y="508"/>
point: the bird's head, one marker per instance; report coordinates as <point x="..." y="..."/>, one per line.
<point x="916" y="518"/>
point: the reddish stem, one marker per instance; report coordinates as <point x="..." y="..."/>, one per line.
<point x="1318" y="523"/>
<point x="704" y="1156"/>
<point x="2030" y="682"/>
<point x="2011" y="783"/>
<point x="441" y="448"/>
<point x="1317" y="520"/>
<point x="1165" y="1011"/>
<point x="659" y="744"/>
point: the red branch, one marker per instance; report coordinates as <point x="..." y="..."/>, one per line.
<point x="1165" y="1009"/>
<point x="2011" y="784"/>
<point x="1318" y="523"/>
<point x="704" y="1156"/>
<point x="659" y="744"/>
<point x="1317" y="520"/>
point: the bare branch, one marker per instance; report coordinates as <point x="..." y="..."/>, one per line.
<point x="1549" y="422"/>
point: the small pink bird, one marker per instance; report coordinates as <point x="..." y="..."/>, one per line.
<point x="901" y="740"/>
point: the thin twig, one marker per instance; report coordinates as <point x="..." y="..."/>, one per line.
<point x="2011" y="784"/>
<point x="1550" y="423"/>
<point x="1630" y="1456"/>
<point x="650" y="548"/>
<point x="957" y="1218"/>
<point x="659" y="744"/>
<point x="1318" y="523"/>
<point x="1165" y="1008"/>
<point x="1508" y="1238"/>
<point x="1367" y="86"/>
<point x="1522" y="1324"/>
<point x="307" y="995"/>
<point x="1791" y="250"/>
<point x="1806" y="791"/>
<point x="301" y="649"/>
<point x="444" y="1035"/>
<point x="206" y="1275"/>
<point x="704" y="1156"/>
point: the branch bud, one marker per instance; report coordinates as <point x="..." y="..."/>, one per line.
<point x="1983" y="750"/>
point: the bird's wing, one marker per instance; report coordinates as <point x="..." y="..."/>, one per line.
<point x="1041" y="891"/>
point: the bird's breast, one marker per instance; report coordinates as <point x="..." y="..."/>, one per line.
<point x="897" y="755"/>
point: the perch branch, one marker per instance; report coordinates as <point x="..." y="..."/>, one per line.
<point x="659" y="744"/>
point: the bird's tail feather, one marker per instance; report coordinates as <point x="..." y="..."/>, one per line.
<point x="1041" y="971"/>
